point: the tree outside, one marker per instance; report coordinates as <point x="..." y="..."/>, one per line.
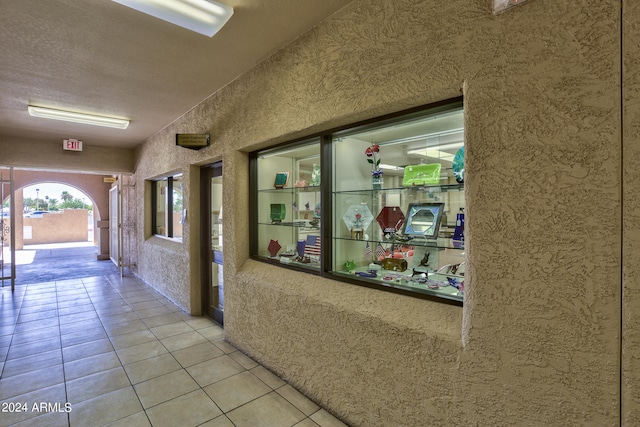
<point x="47" y="203"/>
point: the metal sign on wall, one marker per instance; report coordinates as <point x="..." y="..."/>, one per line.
<point x="71" y="145"/>
<point x="194" y="141"/>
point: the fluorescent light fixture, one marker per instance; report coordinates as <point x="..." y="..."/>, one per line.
<point x="206" y="17"/>
<point x="69" y="116"/>
<point x="390" y="167"/>
<point x="437" y="151"/>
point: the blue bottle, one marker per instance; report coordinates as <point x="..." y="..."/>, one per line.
<point x="458" y="232"/>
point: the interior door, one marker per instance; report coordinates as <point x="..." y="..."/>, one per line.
<point x="114" y="226"/>
<point x="212" y="242"/>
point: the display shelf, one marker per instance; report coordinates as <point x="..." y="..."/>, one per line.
<point x="427" y="188"/>
<point x="290" y="262"/>
<point x="392" y="279"/>
<point x="291" y="190"/>
<point x="442" y="242"/>
<point x="304" y="224"/>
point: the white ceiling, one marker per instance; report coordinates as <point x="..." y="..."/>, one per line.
<point x="97" y="56"/>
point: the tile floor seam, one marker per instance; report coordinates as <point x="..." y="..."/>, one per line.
<point x="163" y="345"/>
<point x="64" y="376"/>
<point x="15" y="322"/>
<point x="122" y="365"/>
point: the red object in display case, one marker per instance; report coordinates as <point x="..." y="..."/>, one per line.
<point x="390" y="219"/>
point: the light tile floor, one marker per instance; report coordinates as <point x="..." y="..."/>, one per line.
<point x="110" y="351"/>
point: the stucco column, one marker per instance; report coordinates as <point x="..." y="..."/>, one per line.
<point x="103" y="239"/>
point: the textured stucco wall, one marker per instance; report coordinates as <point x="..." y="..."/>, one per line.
<point x="541" y="335"/>
<point x="538" y="340"/>
<point x="171" y="266"/>
<point x="631" y="203"/>
<point x="69" y="225"/>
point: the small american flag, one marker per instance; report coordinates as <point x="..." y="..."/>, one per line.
<point x="380" y="252"/>
<point x="367" y="252"/>
<point x="313" y="246"/>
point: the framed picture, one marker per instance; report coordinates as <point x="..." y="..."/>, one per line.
<point x="281" y="180"/>
<point x="423" y="220"/>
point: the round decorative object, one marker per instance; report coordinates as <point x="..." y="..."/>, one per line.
<point x="458" y="165"/>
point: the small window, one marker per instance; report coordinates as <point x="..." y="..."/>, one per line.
<point x="168" y="207"/>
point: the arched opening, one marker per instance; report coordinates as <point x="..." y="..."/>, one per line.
<point x="57" y="213"/>
<point x="61" y="226"/>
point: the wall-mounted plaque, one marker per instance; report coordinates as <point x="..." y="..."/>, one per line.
<point x="194" y="141"/>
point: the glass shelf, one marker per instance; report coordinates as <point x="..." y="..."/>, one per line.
<point x="291" y="190"/>
<point x="292" y="224"/>
<point x="404" y="281"/>
<point x="442" y="242"/>
<point x="441" y="187"/>
<point x="291" y="262"/>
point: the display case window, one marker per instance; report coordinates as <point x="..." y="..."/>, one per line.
<point x="287" y="205"/>
<point x="401" y="171"/>
<point x="385" y="210"/>
<point x="168" y="209"/>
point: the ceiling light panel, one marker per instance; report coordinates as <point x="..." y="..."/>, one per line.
<point x="205" y="17"/>
<point x="70" y="116"/>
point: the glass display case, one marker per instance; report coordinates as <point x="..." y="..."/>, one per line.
<point x="397" y="201"/>
<point x="380" y="203"/>
<point x="288" y="210"/>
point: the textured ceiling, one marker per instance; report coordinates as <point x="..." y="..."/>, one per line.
<point x="97" y="56"/>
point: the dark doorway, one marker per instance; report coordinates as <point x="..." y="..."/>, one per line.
<point x="211" y="246"/>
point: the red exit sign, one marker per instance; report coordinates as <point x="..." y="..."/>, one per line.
<point x="72" y="144"/>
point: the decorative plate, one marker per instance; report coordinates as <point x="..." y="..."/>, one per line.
<point x="390" y="219"/>
<point x="357" y="217"/>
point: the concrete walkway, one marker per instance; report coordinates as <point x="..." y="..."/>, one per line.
<point x="52" y="262"/>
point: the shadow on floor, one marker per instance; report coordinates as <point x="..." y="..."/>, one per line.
<point x="48" y="263"/>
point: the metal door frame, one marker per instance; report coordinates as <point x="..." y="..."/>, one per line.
<point x="12" y="227"/>
<point x="115" y="243"/>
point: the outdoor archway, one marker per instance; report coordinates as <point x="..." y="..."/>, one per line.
<point x="96" y="190"/>
<point x="56" y="213"/>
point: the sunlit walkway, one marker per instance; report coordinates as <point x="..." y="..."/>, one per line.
<point x="58" y="261"/>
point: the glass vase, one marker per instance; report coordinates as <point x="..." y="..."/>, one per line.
<point x="376" y="182"/>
